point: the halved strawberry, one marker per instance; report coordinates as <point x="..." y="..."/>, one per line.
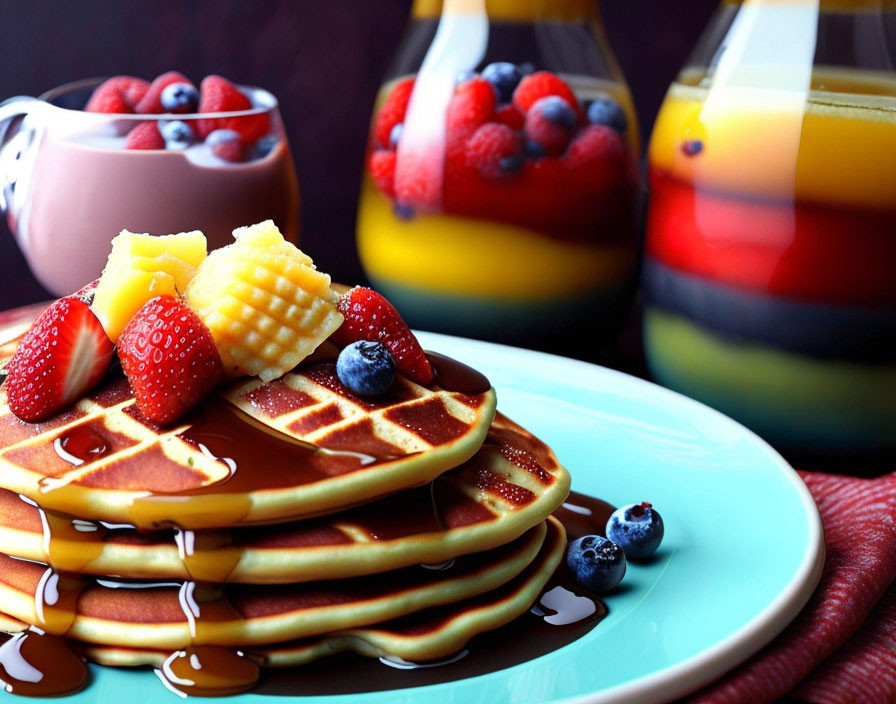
<point x="169" y="358"/>
<point x="369" y="316"/>
<point x="217" y="94"/>
<point x="63" y="355"/>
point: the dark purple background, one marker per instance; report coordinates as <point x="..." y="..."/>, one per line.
<point x="324" y="60"/>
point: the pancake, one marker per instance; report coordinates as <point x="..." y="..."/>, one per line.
<point x="428" y="634"/>
<point x="294" y="448"/>
<point x="175" y="615"/>
<point x="512" y="483"/>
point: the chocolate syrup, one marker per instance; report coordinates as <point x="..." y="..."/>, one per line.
<point x="456" y="376"/>
<point x="528" y="637"/>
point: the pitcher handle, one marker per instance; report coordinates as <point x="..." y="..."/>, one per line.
<point x="9" y="110"/>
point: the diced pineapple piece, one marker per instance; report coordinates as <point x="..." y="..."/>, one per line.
<point x="265" y="304"/>
<point x="141" y="267"/>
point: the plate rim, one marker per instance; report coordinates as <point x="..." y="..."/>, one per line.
<point x="728" y="653"/>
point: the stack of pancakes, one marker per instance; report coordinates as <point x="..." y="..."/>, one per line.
<point x="278" y="522"/>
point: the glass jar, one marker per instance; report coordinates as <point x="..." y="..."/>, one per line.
<point x="771" y="234"/>
<point x="499" y="192"/>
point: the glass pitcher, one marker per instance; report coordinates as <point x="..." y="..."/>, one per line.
<point x="771" y="238"/>
<point x="69" y="184"/>
<point x="499" y="191"/>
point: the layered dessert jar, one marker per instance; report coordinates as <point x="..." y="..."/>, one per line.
<point x="771" y="233"/>
<point x="499" y="190"/>
<point x="70" y="179"/>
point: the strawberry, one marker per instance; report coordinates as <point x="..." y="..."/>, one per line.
<point x="169" y="358"/>
<point x="369" y="316"/>
<point x="393" y="111"/>
<point x="119" y="94"/>
<point x="511" y="116"/>
<point x="146" y="135"/>
<point x="227" y="145"/>
<point x="540" y="85"/>
<point x="63" y="355"/>
<point x="382" y="169"/>
<point x="152" y="100"/>
<point x="217" y="94"/>
<point x="494" y="151"/>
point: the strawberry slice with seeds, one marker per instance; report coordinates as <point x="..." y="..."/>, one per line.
<point x="369" y="316"/>
<point x="169" y="358"/>
<point x="63" y="355"/>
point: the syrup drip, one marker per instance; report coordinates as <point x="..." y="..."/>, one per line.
<point x="528" y="637"/>
<point x="79" y="445"/>
<point x="209" y="671"/>
<point x="36" y="664"/>
<point x="456" y="376"/>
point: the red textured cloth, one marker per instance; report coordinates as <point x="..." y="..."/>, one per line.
<point x="842" y="646"/>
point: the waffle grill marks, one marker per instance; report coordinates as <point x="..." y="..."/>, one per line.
<point x="408" y="419"/>
<point x="513" y="469"/>
<point x="430" y="524"/>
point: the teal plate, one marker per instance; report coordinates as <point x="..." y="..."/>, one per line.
<point x="742" y="554"/>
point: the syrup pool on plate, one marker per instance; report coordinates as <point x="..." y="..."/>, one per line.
<point x="772" y="227"/>
<point x="472" y="222"/>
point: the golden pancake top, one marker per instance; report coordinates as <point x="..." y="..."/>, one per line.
<point x="300" y="446"/>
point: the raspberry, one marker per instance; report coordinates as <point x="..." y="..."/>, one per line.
<point x="118" y="94"/>
<point x="494" y="150"/>
<point x="596" y="157"/>
<point x="472" y="105"/>
<point x="217" y="94"/>
<point x="393" y="111"/>
<point x="152" y="100"/>
<point x="382" y="169"/>
<point x="540" y="85"/>
<point x="550" y="122"/>
<point x="511" y="116"/>
<point x="146" y="135"/>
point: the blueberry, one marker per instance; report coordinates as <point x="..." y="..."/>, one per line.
<point x="606" y="111"/>
<point x="176" y="133"/>
<point x="533" y="149"/>
<point x="504" y="76"/>
<point x="509" y="164"/>
<point x="264" y="146"/>
<point x="598" y="563"/>
<point x="527" y="68"/>
<point x="557" y="110"/>
<point x="366" y="368"/>
<point x="179" y="97"/>
<point x="692" y="147"/>
<point x="221" y="137"/>
<point x="395" y="135"/>
<point x="637" y="528"/>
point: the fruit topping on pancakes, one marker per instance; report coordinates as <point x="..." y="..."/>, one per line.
<point x="169" y="358"/>
<point x="63" y="355"/>
<point x="265" y="304"/>
<point x="369" y="316"/>
<point x="141" y="267"/>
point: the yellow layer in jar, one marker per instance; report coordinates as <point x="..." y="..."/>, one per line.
<point x="826" y="144"/>
<point x="464" y="256"/>
<point x="510" y="10"/>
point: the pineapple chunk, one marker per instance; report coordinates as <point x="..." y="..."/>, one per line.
<point x="141" y="267"/>
<point x="265" y="304"/>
